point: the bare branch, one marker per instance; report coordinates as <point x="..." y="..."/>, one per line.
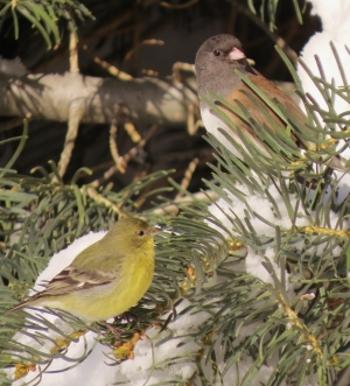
<point x="148" y="100"/>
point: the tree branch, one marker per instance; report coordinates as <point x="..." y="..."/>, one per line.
<point x="50" y="96"/>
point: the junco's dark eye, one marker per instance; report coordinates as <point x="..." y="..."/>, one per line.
<point x="217" y="52"/>
<point x="141" y="233"/>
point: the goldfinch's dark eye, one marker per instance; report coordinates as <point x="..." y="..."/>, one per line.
<point x="141" y="233"/>
<point x="217" y="52"/>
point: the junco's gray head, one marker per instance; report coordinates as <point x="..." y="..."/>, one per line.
<point x="218" y="49"/>
<point x="216" y="60"/>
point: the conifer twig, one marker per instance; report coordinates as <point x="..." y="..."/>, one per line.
<point x="73" y="51"/>
<point x="102" y="200"/>
<point x="113" y="147"/>
<point x="110" y="68"/>
<point x="186" y="4"/>
<point x="126" y="158"/>
<point x="173" y="209"/>
<point x="132" y="132"/>
<point x="308" y="338"/>
<point x="76" y="112"/>
<point x="185" y="183"/>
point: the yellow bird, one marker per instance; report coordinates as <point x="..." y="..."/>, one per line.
<point x="107" y="278"/>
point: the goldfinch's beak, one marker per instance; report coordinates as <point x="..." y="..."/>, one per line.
<point x="158" y="228"/>
<point x="154" y="230"/>
<point x="167" y="230"/>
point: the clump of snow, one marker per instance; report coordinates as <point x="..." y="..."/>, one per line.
<point x="41" y="337"/>
<point x="89" y="372"/>
<point x="257" y="208"/>
<point x="254" y="265"/>
<point x="263" y="218"/>
<point x="163" y="362"/>
<point x="334" y="16"/>
<point x="335" y="19"/>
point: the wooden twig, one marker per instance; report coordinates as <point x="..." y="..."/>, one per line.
<point x="149" y="72"/>
<point x="113" y="147"/>
<point x="146" y="42"/>
<point x="126" y="158"/>
<point x="192" y="122"/>
<point x="181" y="6"/>
<point x="312" y="342"/>
<point x="136" y="149"/>
<point x="100" y="199"/>
<point x="73" y="52"/>
<point x="132" y="132"/>
<point x="110" y="68"/>
<point x="76" y="112"/>
<point x="76" y="109"/>
<point x="179" y="67"/>
<point x="173" y="208"/>
<point x="185" y="183"/>
<point x="192" y="107"/>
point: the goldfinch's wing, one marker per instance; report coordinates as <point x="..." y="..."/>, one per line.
<point x="74" y="279"/>
<point x="83" y="276"/>
<point x="89" y="269"/>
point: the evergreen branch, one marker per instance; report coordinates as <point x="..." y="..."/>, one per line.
<point x="316" y="230"/>
<point x="307" y="337"/>
<point x="272" y="7"/>
<point x="45" y="16"/>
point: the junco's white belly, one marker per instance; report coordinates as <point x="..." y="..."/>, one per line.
<point x="212" y="124"/>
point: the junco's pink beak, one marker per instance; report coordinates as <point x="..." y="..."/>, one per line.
<point x="236" y="54"/>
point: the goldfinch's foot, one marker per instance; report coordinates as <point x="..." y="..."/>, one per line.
<point x="62" y="343"/>
<point x="22" y="369"/>
<point x="126" y="350"/>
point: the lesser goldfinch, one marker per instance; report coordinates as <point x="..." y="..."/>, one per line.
<point x="107" y="278"/>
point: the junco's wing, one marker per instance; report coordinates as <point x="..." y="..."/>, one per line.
<point x="262" y="107"/>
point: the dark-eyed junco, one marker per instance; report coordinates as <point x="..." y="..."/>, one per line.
<point x="219" y="66"/>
